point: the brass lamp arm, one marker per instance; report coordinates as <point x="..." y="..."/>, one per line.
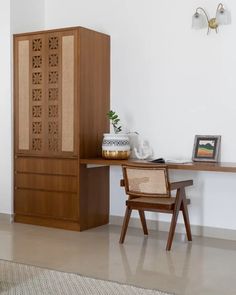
<point x="200" y="8"/>
<point x="203" y="10"/>
<point x="219" y="7"/>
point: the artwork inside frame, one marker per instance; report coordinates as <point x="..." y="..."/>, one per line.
<point x="206" y="148"/>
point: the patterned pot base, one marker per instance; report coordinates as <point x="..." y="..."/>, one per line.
<point x="116" y="155"/>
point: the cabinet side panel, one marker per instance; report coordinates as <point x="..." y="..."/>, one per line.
<point x="94" y="197"/>
<point x="23" y="76"/>
<point x="68" y="93"/>
<point x="94" y="90"/>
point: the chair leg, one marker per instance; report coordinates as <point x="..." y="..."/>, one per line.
<point x="186" y="218"/>
<point x="172" y="231"/>
<point x="125" y="224"/>
<point x="174" y="220"/>
<point x="143" y="221"/>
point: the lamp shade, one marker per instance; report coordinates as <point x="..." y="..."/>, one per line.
<point x="199" y="21"/>
<point x="223" y="17"/>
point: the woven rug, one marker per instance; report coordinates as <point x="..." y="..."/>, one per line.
<point x="21" y="279"/>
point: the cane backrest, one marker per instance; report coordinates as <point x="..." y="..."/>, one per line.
<point x="146" y="180"/>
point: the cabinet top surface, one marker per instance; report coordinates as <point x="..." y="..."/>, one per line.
<point x="56" y="30"/>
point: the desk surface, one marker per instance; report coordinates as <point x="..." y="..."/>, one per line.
<point x="197" y="166"/>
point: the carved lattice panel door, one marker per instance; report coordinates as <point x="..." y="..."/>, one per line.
<point x="45" y="93"/>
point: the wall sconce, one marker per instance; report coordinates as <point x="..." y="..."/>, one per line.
<point x="201" y="20"/>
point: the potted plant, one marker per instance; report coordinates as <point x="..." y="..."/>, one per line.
<point x="114" y="119"/>
<point x="115" y="145"/>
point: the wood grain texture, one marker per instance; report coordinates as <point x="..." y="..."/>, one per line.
<point x="46" y="204"/>
<point x="38" y="114"/>
<point x="46" y="182"/>
<point x="94" y="103"/>
<point x="60" y="30"/>
<point x="94" y="208"/>
<point x="144" y="201"/>
<point x="69" y="93"/>
<point x="50" y="222"/>
<point x="197" y="166"/>
<point x="46" y="166"/>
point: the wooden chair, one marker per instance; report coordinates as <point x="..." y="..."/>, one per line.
<point x="149" y="189"/>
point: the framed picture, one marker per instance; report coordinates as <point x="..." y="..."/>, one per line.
<point x="206" y="148"/>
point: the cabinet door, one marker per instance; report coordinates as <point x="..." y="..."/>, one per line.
<point x="29" y="84"/>
<point x="60" y="91"/>
<point x="45" y="93"/>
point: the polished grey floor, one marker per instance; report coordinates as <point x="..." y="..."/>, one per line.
<point x="205" y="266"/>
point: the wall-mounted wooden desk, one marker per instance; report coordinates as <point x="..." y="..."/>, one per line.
<point x="94" y="186"/>
<point x="196" y="166"/>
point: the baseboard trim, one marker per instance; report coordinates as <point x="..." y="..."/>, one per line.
<point x="197" y="230"/>
<point x="6" y="218"/>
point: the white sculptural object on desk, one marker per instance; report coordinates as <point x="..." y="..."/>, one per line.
<point x="143" y="151"/>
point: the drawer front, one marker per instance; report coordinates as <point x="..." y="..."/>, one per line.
<point x="46" y="204"/>
<point x="46" y="166"/>
<point x="46" y="182"/>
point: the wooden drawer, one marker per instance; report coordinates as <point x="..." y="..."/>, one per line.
<point x="46" y="182"/>
<point x="46" y="204"/>
<point x="46" y="166"/>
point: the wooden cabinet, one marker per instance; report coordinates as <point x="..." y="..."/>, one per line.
<point x="61" y="97"/>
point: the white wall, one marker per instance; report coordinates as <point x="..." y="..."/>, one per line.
<point x="15" y="16"/>
<point x="169" y="83"/>
<point x="5" y="110"/>
<point x="27" y="15"/>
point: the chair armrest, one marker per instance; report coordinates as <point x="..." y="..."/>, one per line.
<point x="180" y="184"/>
<point x="122" y="182"/>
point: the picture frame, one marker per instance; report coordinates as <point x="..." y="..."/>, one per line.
<point x="206" y="148"/>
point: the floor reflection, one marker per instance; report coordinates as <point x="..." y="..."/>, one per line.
<point x="204" y="267"/>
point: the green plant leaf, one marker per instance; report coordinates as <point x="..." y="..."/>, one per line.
<point x="113" y="117"/>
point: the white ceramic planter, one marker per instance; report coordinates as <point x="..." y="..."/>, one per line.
<point x="115" y="146"/>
